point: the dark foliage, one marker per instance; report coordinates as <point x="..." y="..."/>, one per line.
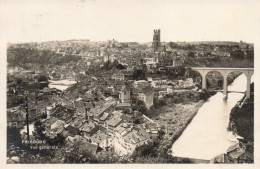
<point x="237" y="54"/>
<point x="19" y="56"/>
<point x="139" y="74"/>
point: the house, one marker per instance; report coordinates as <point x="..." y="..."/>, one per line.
<point x="49" y="122"/>
<point x="152" y="128"/>
<point x="164" y="57"/>
<point x="159" y="84"/>
<point x="88" y="129"/>
<point x="122" y="106"/>
<point x="72" y="130"/>
<point x="118" y="77"/>
<point x="76" y="138"/>
<point x="146" y="94"/>
<point x="169" y="89"/>
<point x="162" y="93"/>
<point x="188" y="82"/>
<point x="56" y="128"/>
<point x="77" y="122"/>
<point x="114" y="121"/>
<point x="124" y="95"/>
<point x="140" y="84"/>
<point x="126" y="140"/>
<point x="16" y="117"/>
<point x="104" y="117"/>
<point x="99" y="111"/>
<point x="100" y="139"/>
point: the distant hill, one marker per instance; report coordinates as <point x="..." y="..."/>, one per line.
<point x="216" y="43"/>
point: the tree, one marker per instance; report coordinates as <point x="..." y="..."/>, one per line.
<point x="191" y="54"/>
<point x="162" y="102"/>
<point x="59" y="140"/>
<point x="220" y="82"/>
<point x="146" y="150"/>
<point x="156" y="102"/>
<point x="120" y="66"/>
<point x="250" y="54"/>
<point x="139" y="74"/>
<point x="127" y="111"/>
<point x="207" y="82"/>
<point x="237" y="54"/>
<point x="42" y="78"/>
<point x="13" y="137"/>
<point x="143" y="109"/>
<point x="161" y="133"/>
<point x="204" y="95"/>
<point x="78" y="156"/>
<point x="186" y="160"/>
<point x="18" y="81"/>
<point x="173" y="45"/>
<point x="39" y="129"/>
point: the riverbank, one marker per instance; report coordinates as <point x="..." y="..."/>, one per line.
<point x="241" y="123"/>
<point x="175" y="119"/>
<point x="206" y="137"/>
<point x="173" y="113"/>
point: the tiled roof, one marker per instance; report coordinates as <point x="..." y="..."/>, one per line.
<point x="87" y="126"/>
<point x="104" y="116"/>
<point x="51" y="120"/>
<point x="98" y="137"/>
<point x="114" y="121"/>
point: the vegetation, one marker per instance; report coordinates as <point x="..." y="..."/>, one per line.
<point x="176" y="72"/>
<point x="14" y="141"/>
<point x="59" y="140"/>
<point x="242" y="122"/>
<point x="108" y="65"/>
<point x="20" y="56"/>
<point x="77" y="156"/>
<point x="139" y="74"/>
<point x="219" y="62"/>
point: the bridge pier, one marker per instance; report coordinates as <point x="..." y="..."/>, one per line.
<point x="204" y="82"/>
<point x="224" y="72"/>
<point x="203" y="74"/>
<point x="248" y="88"/>
<point x="225" y="86"/>
<point x="248" y="77"/>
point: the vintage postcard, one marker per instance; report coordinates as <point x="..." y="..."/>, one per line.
<point x="130" y="82"/>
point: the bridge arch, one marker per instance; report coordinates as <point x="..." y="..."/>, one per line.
<point x="215" y="71"/>
<point x="218" y="80"/>
<point x="225" y="72"/>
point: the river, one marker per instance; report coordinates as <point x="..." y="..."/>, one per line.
<point x="206" y="136"/>
<point x="61" y="84"/>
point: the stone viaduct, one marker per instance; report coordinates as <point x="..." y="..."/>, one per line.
<point x="248" y="72"/>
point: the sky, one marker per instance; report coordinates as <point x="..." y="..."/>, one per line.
<point x="129" y="21"/>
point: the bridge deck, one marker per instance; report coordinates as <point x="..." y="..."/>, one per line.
<point x="220" y="68"/>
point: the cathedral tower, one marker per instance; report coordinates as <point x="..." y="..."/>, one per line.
<point x="156" y="39"/>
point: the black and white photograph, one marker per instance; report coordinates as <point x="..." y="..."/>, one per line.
<point x="129" y="82"/>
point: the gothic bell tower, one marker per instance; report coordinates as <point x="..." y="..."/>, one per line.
<point x="156" y="39"/>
